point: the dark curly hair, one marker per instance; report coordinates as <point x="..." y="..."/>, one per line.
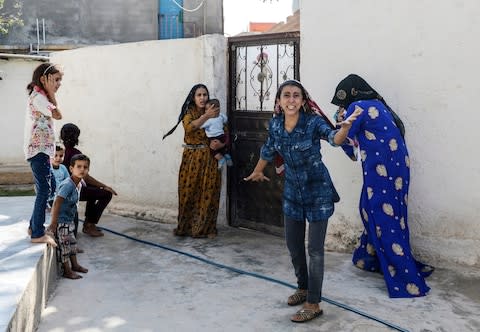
<point x="69" y="135"/>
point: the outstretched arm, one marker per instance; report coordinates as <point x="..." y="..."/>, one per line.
<point x="257" y="174"/>
<point x="345" y="126"/>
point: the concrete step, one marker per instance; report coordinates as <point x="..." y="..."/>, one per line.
<point x="16" y="174"/>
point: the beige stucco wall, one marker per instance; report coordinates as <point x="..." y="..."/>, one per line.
<point x="422" y="56"/>
<point x="16" y="74"/>
<point x="124" y="98"/>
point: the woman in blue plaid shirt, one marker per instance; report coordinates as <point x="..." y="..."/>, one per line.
<point x="309" y="193"/>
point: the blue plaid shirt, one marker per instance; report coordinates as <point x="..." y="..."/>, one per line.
<point x="308" y="192"/>
<point x="70" y="194"/>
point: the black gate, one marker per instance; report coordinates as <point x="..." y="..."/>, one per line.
<point x="257" y="66"/>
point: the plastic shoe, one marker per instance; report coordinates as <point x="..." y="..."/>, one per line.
<point x="304" y="315"/>
<point x="298" y="297"/>
<point x="229" y="160"/>
<point x="221" y="162"/>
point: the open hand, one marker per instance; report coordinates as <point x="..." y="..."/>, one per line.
<point x="110" y="189"/>
<point x="215" y="144"/>
<point x="212" y="111"/>
<point x="256" y="177"/>
<point x="50" y="85"/>
<point x="52" y="229"/>
<point x="347" y="123"/>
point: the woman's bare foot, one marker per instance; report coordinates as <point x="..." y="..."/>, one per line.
<point x="79" y="268"/>
<point x="71" y="275"/>
<point x="45" y="239"/>
<point x="80" y="250"/>
<point x="212" y="235"/>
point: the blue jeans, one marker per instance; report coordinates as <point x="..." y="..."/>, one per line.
<point x="40" y="164"/>
<point x="311" y="277"/>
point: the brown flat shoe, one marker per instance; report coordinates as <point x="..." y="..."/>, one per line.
<point x="298" y="297"/>
<point x="304" y="315"/>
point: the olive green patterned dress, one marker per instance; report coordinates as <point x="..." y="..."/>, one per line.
<point x="199" y="183"/>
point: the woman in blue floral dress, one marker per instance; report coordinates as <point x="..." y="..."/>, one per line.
<point x="384" y="245"/>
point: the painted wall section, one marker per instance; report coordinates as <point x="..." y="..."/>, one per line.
<point x="124" y="98"/>
<point x="16" y="74"/>
<point x="86" y="22"/>
<point x="100" y="22"/>
<point x="208" y="19"/>
<point x="426" y="69"/>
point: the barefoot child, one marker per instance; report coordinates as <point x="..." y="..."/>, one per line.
<point x="39" y="141"/>
<point x="63" y="213"/>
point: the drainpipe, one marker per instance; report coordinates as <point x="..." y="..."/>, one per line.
<point x="204" y="19"/>
<point x="38" y="38"/>
<point x="25" y="56"/>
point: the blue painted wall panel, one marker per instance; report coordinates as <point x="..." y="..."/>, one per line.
<point x="170" y="19"/>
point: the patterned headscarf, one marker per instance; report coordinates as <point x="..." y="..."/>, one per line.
<point x="354" y="88"/>
<point x="310" y="106"/>
<point x="189" y="101"/>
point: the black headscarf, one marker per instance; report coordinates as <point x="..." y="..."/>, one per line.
<point x="353" y="88"/>
<point x="189" y="101"/>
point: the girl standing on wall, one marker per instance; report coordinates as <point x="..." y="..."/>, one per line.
<point x="39" y="141"/>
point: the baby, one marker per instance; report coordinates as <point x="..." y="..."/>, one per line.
<point x="214" y="130"/>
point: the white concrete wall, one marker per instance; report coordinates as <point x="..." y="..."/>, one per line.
<point x="422" y="56"/>
<point x="16" y="74"/>
<point x="124" y="98"/>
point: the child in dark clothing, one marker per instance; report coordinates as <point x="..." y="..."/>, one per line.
<point x="97" y="194"/>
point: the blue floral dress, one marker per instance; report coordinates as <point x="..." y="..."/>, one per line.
<point x="384" y="245"/>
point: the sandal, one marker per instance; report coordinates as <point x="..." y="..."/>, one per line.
<point x="298" y="297"/>
<point x="304" y="315"/>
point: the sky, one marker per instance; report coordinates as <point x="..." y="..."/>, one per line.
<point x="238" y="13"/>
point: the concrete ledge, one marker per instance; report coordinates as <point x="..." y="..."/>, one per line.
<point x="28" y="272"/>
<point x="34" y="299"/>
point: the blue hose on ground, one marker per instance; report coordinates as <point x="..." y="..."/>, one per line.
<point x="256" y="275"/>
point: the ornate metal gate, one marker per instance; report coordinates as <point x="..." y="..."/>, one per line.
<point x="258" y="65"/>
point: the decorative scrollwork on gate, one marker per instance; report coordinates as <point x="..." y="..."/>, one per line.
<point x="259" y="71"/>
<point x="261" y="77"/>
